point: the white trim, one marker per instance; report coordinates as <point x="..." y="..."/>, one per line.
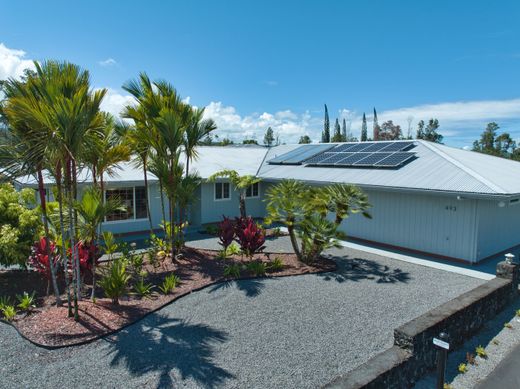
<point x="254" y="197"/>
<point x="215" y="191"/>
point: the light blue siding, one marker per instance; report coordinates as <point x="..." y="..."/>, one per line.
<point x="498" y="227"/>
<point x="439" y="225"/>
<point x="212" y="210"/>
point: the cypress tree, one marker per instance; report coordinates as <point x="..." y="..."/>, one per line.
<point x="344" y="131"/>
<point x="337" y="132"/>
<point x="364" y="129"/>
<point x="376" y="126"/>
<point x="325" y="136"/>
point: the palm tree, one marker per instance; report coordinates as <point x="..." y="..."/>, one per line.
<point x="346" y="200"/>
<point x="239" y="182"/>
<point x="92" y="211"/>
<point x="196" y="131"/>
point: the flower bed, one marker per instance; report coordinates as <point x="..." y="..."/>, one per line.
<point x="49" y="326"/>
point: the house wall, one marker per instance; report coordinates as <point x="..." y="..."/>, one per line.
<point x="498" y="227"/>
<point x="211" y="210"/>
<point x="440" y="225"/>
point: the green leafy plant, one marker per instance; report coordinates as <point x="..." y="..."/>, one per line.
<point x="448" y="386"/>
<point x="232" y="249"/>
<point x="169" y="284"/>
<point x="137" y="262"/>
<point x="115" y="280"/>
<point x="26" y="301"/>
<point x="276" y="232"/>
<point x="211" y="229"/>
<point x="276" y="264"/>
<point x="508" y="325"/>
<point x="143" y="289"/>
<point x="518" y="312"/>
<point x="481" y="352"/>
<point x="257" y="268"/>
<point x="463" y="368"/>
<point x="232" y="270"/>
<point x="5" y="301"/>
<point x="110" y="245"/>
<point x="9" y="312"/>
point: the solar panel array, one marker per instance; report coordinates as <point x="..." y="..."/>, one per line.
<point x="362" y="154"/>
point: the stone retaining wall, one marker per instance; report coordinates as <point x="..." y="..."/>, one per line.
<point x="413" y="353"/>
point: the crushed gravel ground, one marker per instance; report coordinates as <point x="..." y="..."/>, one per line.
<point x="293" y="332"/>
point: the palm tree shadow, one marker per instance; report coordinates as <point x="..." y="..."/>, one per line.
<point x="358" y="269"/>
<point x="171" y="348"/>
<point x="251" y="288"/>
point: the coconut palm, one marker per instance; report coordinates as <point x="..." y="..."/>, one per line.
<point x="92" y="211"/>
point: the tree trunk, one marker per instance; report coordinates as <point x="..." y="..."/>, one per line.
<point x="294" y="241"/>
<point x="162" y="202"/>
<point x="62" y="231"/>
<point x="146" y="195"/>
<point x="72" y="236"/>
<point x="242" y="201"/>
<point x="75" y="221"/>
<point x="93" y="295"/>
<point x="50" y="255"/>
<point x="187" y="166"/>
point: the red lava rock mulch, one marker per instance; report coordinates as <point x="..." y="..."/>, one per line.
<point x="49" y="325"/>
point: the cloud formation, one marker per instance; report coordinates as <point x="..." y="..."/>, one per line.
<point x="13" y="62"/>
<point x="108" y="62"/>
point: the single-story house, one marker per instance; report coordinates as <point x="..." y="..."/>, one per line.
<point x="426" y="197"/>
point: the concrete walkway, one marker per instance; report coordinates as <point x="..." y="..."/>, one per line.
<point x="506" y="375"/>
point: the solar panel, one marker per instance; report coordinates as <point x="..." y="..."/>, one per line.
<point x="395" y="159"/>
<point x="319" y="158"/>
<point x="343" y="147"/>
<point x="397" y="146"/>
<point x="376" y="146"/>
<point x="299" y="154"/>
<point x="359" y="147"/>
<point x="308" y="152"/>
<point x="351" y="159"/>
<point x="372" y="159"/>
<point x="336" y="157"/>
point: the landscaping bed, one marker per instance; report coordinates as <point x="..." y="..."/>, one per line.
<point x="47" y="325"/>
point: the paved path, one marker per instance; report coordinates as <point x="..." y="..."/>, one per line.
<point x="291" y="332"/>
<point x="506" y="375"/>
<point x="281" y="244"/>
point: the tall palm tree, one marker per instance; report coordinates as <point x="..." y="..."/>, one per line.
<point x="197" y="129"/>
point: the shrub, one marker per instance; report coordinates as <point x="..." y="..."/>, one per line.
<point x="4" y="301"/>
<point x="211" y="229"/>
<point x="169" y="284"/>
<point x="231" y="250"/>
<point x="115" y="280"/>
<point x="232" y="270"/>
<point x="110" y="245"/>
<point x="88" y="254"/>
<point x="26" y="301"/>
<point x="276" y="264"/>
<point x="143" y="289"/>
<point x="226" y="230"/>
<point x="20" y="224"/>
<point x="463" y="368"/>
<point x="276" y="232"/>
<point x="257" y="268"/>
<point x="481" y="352"/>
<point x="137" y="262"/>
<point x="9" y="312"/>
<point x="518" y="312"/>
<point x="39" y="258"/>
<point x="249" y="236"/>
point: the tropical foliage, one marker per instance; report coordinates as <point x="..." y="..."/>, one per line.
<point x="305" y="210"/>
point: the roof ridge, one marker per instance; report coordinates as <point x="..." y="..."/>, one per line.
<point x="492" y="186"/>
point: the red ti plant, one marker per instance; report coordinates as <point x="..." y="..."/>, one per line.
<point x="87" y="253"/>
<point x="226" y="230"/>
<point x="39" y="258"/>
<point x="250" y="236"/>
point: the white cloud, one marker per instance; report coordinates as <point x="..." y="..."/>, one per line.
<point x="13" y="62"/>
<point x="114" y="102"/>
<point x="108" y="62"/>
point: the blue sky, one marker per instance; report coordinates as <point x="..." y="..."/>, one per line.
<point x="276" y="63"/>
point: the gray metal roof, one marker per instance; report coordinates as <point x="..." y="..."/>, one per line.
<point x="438" y="168"/>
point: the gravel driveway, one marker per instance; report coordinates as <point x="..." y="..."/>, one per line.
<point x="293" y="332"/>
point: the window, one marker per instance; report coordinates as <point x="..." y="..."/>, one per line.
<point x="132" y="199"/>
<point x="252" y="190"/>
<point x="222" y="191"/>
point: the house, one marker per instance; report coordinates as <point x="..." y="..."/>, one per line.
<point x="426" y="198"/>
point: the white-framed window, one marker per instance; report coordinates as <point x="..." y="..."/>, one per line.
<point x="133" y="199"/>
<point x="222" y="191"/>
<point x="253" y="191"/>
